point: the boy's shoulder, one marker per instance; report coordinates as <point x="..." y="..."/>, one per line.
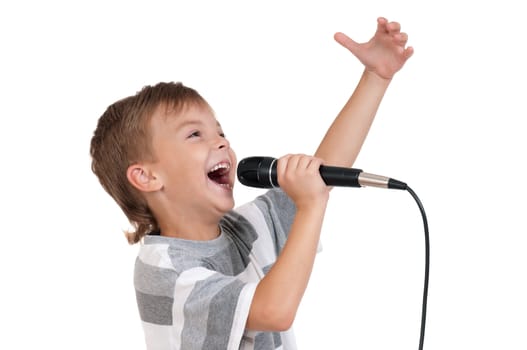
<point x="236" y="238"/>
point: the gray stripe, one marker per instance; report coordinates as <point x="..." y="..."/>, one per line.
<point x="154" y="280"/>
<point x="277" y="339"/>
<point x="154" y="308"/>
<point x="154" y="290"/>
<point x="223" y="308"/>
<point x="209" y="312"/>
<point x="279" y="212"/>
<point x="267" y="340"/>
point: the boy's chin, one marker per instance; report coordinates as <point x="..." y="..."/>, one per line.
<point x="224" y="196"/>
<point x="229" y="204"/>
<point x="224" y="208"/>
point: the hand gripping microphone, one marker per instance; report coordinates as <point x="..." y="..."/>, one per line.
<point x="261" y="172"/>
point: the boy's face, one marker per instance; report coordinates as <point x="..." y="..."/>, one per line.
<point x="194" y="161"/>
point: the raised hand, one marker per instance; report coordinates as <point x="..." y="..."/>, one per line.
<point x="385" y="53"/>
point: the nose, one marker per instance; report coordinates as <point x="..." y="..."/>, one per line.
<point x="222" y="143"/>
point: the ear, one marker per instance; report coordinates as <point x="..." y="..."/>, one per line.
<point x="142" y="178"/>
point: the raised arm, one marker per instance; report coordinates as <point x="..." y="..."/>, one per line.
<point x="278" y="294"/>
<point x="383" y="55"/>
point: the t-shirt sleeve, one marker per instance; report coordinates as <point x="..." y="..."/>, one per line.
<point x="197" y="308"/>
<point x="279" y="212"/>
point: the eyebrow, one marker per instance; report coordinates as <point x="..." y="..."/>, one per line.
<point x="195" y="122"/>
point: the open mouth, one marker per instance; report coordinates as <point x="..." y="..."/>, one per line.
<point x="220" y="174"/>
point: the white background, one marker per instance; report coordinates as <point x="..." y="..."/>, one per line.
<point x="451" y="126"/>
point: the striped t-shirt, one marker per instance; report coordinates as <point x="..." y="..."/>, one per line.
<point x="197" y="294"/>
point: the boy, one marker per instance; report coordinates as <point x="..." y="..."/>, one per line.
<point x="208" y="276"/>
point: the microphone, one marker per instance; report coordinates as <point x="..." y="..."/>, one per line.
<point x="260" y="172"/>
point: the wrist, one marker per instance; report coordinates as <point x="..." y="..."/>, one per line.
<point x="313" y="206"/>
<point x="375" y="78"/>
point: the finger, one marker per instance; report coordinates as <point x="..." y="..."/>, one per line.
<point x="393" y="27"/>
<point x="292" y="163"/>
<point x="381" y="25"/>
<point x="314" y="164"/>
<point x="304" y="162"/>
<point x="401" y="38"/>
<point x="408" y="52"/>
<point x="314" y="167"/>
<point x="346" y="41"/>
<point x="281" y="166"/>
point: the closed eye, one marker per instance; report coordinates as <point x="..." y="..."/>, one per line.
<point x="196" y="133"/>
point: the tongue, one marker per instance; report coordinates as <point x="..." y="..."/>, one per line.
<point x="219" y="176"/>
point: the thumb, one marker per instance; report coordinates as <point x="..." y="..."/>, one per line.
<point x="346" y="41"/>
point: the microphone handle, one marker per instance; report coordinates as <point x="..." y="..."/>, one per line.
<point x="338" y="176"/>
<point x="345" y="177"/>
<point x="331" y="175"/>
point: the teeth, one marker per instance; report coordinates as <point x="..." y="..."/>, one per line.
<point x="220" y="166"/>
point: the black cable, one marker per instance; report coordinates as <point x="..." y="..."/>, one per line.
<point x="427" y="267"/>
